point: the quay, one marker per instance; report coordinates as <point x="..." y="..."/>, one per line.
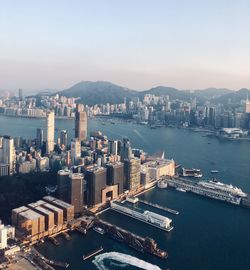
<point x="134" y="241"/>
<point x="169" y="210"/>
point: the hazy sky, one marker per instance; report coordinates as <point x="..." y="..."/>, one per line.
<point x="186" y="44"/>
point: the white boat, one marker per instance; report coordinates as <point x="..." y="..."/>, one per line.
<point x="99" y="230"/>
<point x="181" y="189"/>
<point x="162" y="184"/>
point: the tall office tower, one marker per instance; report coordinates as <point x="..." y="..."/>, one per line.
<point x="115" y="175"/>
<point x="247" y="108"/>
<point x="113" y="147"/>
<point x="63" y="138"/>
<point x="20" y="94"/>
<point x="50" y="131"/>
<point x="132" y="174"/>
<point x="76" y="191"/>
<point x="96" y="181"/>
<point x="81" y="120"/>
<point x="7" y="153"/>
<point x="63" y="185"/>
<point x="39" y="138"/>
<point x="75" y="150"/>
<point x="126" y="150"/>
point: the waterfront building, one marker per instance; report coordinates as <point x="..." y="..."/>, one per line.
<point x="95" y="181"/>
<point x="81" y="124"/>
<point x="68" y="209"/>
<point x="7" y="153"/>
<point x="132" y="168"/>
<point x="115" y="175"/>
<point x="50" y="131"/>
<point x="76" y="191"/>
<point x="160" y="167"/>
<point x="247" y="106"/>
<point x="63" y="138"/>
<point x="39" y="138"/>
<point x="63" y="185"/>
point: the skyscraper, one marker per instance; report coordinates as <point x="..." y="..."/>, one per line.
<point x="76" y="191"/>
<point x="63" y="185"/>
<point x="7" y="153"/>
<point x="50" y="131"/>
<point x="20" y="94"/>
<point x="132" y="175"/>
<point x="63" y="138"/>
<point x="81" y="120"/>
<point x="115" y="175"/>
<point x="96" y="181"/>
<point x="126" y="150"/>
<point x="75" y="150"/>
<point x="39" y="137"/>
<point x="113" y="147"/>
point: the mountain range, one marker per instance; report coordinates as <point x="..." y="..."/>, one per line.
<point x="101" y="92"/>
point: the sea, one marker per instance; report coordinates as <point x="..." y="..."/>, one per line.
<point x="207" y="234"/>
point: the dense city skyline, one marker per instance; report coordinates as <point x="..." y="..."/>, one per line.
<point x="187" y="45"/>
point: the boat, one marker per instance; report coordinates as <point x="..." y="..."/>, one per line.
<point x="92" y="253"/>
<point x="162" y="184"/>
<point x="191" y="172"/>
<point x="216" y="185"/>
<point x="214" y="171"/>
<point x="99" y="230"/>
<point x="181" y="189"/>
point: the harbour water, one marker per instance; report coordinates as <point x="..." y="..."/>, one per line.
<point x="208" y="234"/>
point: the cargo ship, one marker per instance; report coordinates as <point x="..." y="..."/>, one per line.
<point x="191" y="173"/>
<point x="148" y="217"/>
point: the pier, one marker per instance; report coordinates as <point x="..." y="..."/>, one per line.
<point x="169" y="210"/>
<point x="93" y="253"/>
<point x="137" y="242"/>
<point x="54" y="241"/>
<point x="66" y="236"/>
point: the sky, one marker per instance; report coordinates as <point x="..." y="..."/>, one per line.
<point x="187" y="44"/>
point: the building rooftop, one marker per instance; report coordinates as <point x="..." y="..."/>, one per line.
<point x="51" y="207"/>
<point x="20" y="209"/>
<point x="31" y="215"/>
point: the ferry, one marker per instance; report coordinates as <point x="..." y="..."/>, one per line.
<point x="192" y="173"/>
<point x="99" y="230"/>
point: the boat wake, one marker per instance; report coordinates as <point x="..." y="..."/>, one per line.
<point x="121" y="260"/>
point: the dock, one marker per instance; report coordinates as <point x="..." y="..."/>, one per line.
<point x="66" y="236"/>
<point x="134" y="241"/>
<point x="169" y="210"/>
<point x="54" y="241"/>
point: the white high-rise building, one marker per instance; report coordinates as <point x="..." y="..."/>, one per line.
<point x="3" y="236"/>
<point x="50" y="131"/>
<point x="7" y="153"/>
